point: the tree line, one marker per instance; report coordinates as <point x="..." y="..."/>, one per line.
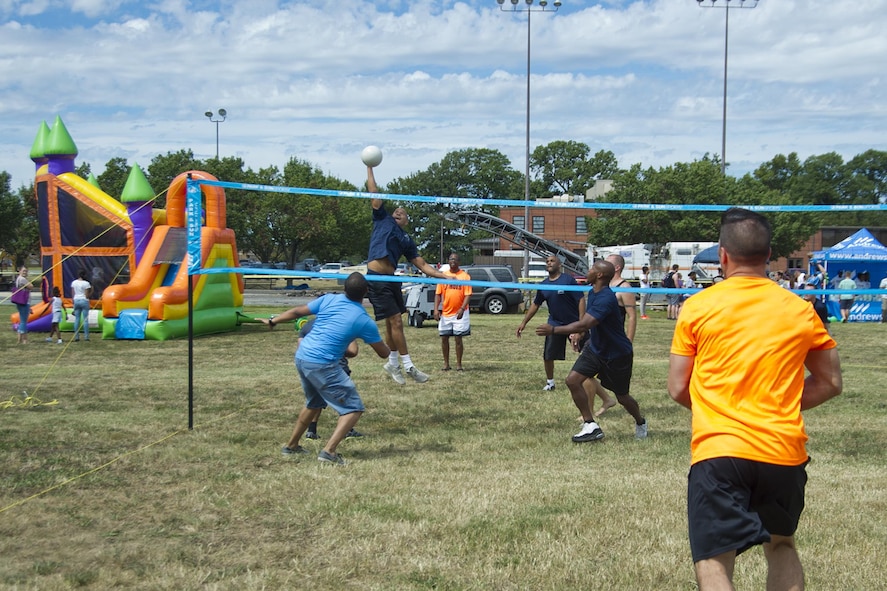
<point x="279" y="227"/>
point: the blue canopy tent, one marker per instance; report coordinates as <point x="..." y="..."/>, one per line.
<point x="862" y="255"/>
<point x="707" y="255"/>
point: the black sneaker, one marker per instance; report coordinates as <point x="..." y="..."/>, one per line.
<point x="311" y="435"/>
<point x="590" y="432"/>
<point x="353" y="433"/>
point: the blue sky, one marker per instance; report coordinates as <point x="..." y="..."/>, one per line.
<point x="320" y="80"/>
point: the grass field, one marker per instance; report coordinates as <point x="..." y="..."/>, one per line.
<point x="467" y="482"/>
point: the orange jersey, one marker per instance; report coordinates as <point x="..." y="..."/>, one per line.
<point x="454" y="295"/>
<point x="749" y="337"/>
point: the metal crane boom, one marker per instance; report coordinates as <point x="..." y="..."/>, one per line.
<point x="572" y="262"/>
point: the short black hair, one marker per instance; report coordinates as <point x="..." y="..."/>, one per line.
<point x="356" y="287"/>
<point x="745" y="235"/>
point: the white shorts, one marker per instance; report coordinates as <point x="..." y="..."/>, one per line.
<point x="452" y="326"/>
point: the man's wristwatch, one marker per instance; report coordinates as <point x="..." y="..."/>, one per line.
<point x="271" y="322"/>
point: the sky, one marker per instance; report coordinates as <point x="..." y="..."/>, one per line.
<point x="321" y="80"/>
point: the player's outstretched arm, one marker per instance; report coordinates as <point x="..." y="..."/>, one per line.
<point x="291" y="314"/>
<point x="429" y="270"/>
<point x="372" y="187"/>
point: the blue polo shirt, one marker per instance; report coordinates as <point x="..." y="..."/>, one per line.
<point x="338" y="322"/>
<point x="563" y="305"/>
<point x="607" y="339"/>
<point x="388" y="240"/>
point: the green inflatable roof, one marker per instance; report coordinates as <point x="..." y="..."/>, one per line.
<point x="137" y="187"/>
<point x="60" y="142"/>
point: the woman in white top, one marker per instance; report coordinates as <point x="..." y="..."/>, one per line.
<point x="81" y="290"/>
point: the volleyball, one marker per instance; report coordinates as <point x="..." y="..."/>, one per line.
<point x="371" y="156"/>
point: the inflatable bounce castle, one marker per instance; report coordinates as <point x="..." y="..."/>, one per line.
<point x="133" y="255"/>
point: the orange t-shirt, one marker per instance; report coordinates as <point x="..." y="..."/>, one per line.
<point x="454" y="295"/>
<point x="749" y="337"/>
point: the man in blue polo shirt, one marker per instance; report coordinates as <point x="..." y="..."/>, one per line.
<point x="564" y="307"/>
<point x="388" y="242"/>
<point x="608" y="353"/>
<point x="340" y="318"/>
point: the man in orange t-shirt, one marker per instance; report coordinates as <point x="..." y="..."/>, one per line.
<point x="740" y="369"/>
<point x="453" y="320"/>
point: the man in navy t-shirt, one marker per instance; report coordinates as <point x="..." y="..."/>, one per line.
<point x="564" y="307"/>
<point x="608" y="354"/>
<point x="388" y="242"/>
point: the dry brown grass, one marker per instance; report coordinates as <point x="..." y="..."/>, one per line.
<point x="466" y="482"/>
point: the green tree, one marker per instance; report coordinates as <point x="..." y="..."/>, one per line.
<point x="697" y="183"/>
<point x="164" y="168"/>
<point x="565" y="168"/>
<point x="475" y="173"/>
<point x="12" y="214"/>
<point x="113" y="178"/>
<point x="19" y="233"/>
<point x="290" y="226"/>
<point x="779" y="172"/>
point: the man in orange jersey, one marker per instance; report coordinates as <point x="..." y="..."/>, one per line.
<point x="743" y="379"/>
<point x="453" y="316"/>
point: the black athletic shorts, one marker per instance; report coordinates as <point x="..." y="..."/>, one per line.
<point x="555" y="347"/>
<point x="614" y="374"/>
<point x="735" y="504"/>
<point x="386" y="298"/>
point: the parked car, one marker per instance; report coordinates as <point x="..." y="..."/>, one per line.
<point x="331" y="268"/>
<point x="307" y="265"/>
<point x="494" y="300"/>
<point x="405" y="269"/>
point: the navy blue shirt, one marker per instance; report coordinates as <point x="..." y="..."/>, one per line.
<point x="563" y="305"/>
<point x="607" y="339"/>
<point x="388" y="240"/>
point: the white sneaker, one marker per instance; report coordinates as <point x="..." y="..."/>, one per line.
<point x="640" y="431"/>
<point x="395" y="373"/>
<point x="59" y="341"/>
<point x="590" y="432"/>
<point x="417" y="375"/>
<point x="48" y="340"/>
<point x="548" y="388"/>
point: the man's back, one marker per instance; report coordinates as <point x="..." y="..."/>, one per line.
<point x="748" y="374"/>
<point x="339" y="321"/>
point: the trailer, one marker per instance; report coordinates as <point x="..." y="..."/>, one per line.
<point x="635" y="255"/>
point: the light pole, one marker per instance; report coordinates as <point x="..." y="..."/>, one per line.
<point x="726" y="5"/>
<point x="529" y="8"/>
<point x="211" y="116"/>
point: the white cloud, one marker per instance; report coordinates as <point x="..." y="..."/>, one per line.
<point x="319" y="81"/>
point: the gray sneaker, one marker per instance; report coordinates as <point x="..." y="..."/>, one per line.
<point x="330" y="458"/>
<point x="417" y="375"/>
<point x="640" y="431"/>
<point x="289" y="451"/>
<point x="395" y="373"/>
